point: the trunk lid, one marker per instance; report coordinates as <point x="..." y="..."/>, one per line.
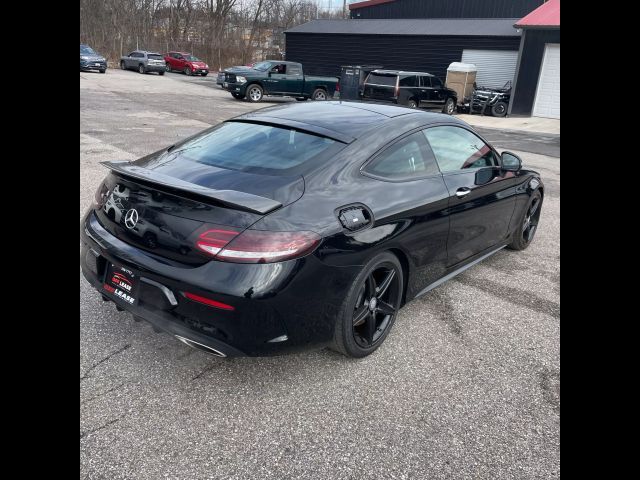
<point x="162" y="206"/>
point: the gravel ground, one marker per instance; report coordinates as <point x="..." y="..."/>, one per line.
<point x="467" y="385"/>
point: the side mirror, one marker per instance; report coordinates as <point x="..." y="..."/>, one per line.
<point x="511" y="162"/>
<point x="486" y="174"/>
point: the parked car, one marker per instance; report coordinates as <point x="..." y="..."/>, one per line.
<point x="277" y="78"/>
<point x="186" y="63"/>
<point x="143" y="62"/>
<point x="411" y="89"/>
<point x="305" y="225"/>
<point x="494" y="100"/>
<point x="90" y="60"/>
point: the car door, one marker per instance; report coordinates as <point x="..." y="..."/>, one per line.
<point x="277" y="79"/>
<point x="411" y="202"/>
<point x="128" y="62"/>
<point x="179" y="62"/>
<point x="481" y="195"/>
<point x="426" y="91"/>
<point x="438" y="94"/>
<point x="294" y="80"/>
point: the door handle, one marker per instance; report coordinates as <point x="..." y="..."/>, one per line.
<point x="463" y="191"/>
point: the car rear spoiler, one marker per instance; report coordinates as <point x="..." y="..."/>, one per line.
<point x="229" y="198"/>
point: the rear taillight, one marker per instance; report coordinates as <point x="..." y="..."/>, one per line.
<point x="100" y="196"/>
<point x="256" y="246"/>
<point x="212" y="240"/>
<point x="338" y="87"/>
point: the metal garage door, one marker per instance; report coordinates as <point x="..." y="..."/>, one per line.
<point x="547" y="103"/>
<point x="495" y="67"/>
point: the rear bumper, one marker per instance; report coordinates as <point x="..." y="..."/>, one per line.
<point x="155" y="68"/>
<point x="279" y="307"/>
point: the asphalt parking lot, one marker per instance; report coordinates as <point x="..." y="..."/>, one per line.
<point x="466" y="386"/>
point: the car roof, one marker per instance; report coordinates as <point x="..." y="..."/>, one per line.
<point x="342" y="121"/>
<point x="279" y="61"/>
<point x="402" y="72"/>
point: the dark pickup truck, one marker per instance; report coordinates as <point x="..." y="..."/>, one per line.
<point x="278" y="78"/>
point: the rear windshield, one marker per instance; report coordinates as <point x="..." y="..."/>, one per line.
<point x="378" y="79"/>
<point x="255" y="148"/>
<point x="155" y="56"/>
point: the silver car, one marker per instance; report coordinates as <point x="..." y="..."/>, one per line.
<point x="143" y="62"/>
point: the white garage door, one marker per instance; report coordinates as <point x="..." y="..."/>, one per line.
<point x="547" y="103"/>
<point x="495" y="67"/>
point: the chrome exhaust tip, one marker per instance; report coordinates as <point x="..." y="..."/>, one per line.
<point x="200" y="346"/>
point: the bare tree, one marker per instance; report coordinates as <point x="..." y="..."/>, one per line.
<point x="222" y="32"/>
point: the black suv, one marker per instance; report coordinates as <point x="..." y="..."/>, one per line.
<point x="412" y="89"/>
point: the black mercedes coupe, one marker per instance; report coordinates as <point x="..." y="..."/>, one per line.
<point x="302" y="226"/>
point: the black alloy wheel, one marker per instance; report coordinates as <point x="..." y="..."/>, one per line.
<point x="370" y="307"/>
<point x="525" y="234"/>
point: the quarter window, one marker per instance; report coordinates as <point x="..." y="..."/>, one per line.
<point x="408" y="81"/>
<point x="380" y="79"/>
<point x="294" y="70"/>
<point x="456" y="149"/>
<point x="404" y="160"/>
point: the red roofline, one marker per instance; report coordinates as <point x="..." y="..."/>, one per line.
<point x="368" y="3"/>
<point x="546" y="15"/>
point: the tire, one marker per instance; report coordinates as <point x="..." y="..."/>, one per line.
<point x="168" y="67"/>
<point x="160" y="73"/>
<point x="237" y="96"/>
<point x="449" y="106"/>
<point x="103" y="70"/>
<point x="254" y="93"/>
<point x="142" y="69"/>
<point x="302" y="99"/>
<point x="499" y="109"/>
<point x="361" y="329"/>
<point x="187" y="71"/>
<point x="319" y="95"/>
<point x="122" y="65"/>
<point x="525" y="233"/>
<point x="412" y="103"/>
<point x="205" y="74"/>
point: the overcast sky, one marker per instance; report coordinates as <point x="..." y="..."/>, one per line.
<point x="333" y="4"/>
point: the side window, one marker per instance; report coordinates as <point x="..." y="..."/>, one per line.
<point x="456" y="148"/>
<point x="436" y="82"/>
<point x="132" y="54"/>
<point x="425" y="81"/>
<point x="280" y="69"/>
<point x="294" y="70"/>
<point x="404" y="160"/>
<point x="408" y="81"/>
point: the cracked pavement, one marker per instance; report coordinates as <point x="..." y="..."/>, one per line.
<point x="467" y="385"/>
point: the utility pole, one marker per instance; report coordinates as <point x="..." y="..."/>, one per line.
<point x="344" y="8"/>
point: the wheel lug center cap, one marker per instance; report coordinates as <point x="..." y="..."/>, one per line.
<point x="373" y="303"/>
